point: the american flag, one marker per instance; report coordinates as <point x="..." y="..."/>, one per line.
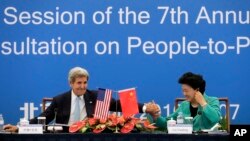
<point x="102" y="103"/>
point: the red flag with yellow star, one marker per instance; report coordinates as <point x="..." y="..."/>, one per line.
<point x="128" y="101"/>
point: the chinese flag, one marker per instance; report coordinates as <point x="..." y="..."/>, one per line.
<point x="128" y="101"/>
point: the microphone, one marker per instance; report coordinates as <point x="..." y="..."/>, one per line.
<point x="55" y="127"/>
<point x="200" y="113"/>
<point x="55" y="111"/>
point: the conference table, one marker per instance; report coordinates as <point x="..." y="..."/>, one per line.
<point x="113" y="137"/>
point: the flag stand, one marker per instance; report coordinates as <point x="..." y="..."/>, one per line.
<point x="116" y="128"/>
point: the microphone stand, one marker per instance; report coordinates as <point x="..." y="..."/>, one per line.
<point x="199" y="113"/>
<point x="116" y="130"/>
<point x="55" y="111"/>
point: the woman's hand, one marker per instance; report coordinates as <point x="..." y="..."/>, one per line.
<point x="200" y="98"/>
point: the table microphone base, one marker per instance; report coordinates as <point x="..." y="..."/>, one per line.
<point x="55" y="128"/>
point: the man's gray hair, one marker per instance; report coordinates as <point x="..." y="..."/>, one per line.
<point x="77" y="72"/>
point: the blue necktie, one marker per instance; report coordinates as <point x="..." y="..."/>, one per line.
<point x="77" y="109"/>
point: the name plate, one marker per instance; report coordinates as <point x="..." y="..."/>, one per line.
<point x="31" y="129"/>
<point x="180" y="129"/>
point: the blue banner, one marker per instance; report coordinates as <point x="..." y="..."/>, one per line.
<point x="123" y="44"/>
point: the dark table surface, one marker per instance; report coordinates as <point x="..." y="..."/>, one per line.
<point x="112" y="137"/>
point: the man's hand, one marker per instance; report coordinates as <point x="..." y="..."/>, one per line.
<point x="10" y="128"/>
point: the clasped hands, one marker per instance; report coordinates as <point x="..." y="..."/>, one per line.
<point x="153" y="109"/>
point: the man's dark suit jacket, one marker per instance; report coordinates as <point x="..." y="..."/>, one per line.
<point x="61" y="105"/>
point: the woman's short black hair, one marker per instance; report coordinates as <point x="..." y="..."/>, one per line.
<point x="195" y="81"/>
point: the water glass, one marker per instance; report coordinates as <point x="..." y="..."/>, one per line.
<point x="42" y="120"/>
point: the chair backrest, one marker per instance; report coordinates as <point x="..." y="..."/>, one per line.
<point x="221" y="99"/>
<point x="44" y="101"/>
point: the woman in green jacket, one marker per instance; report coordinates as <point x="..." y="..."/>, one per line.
<point x="204" y="109"/>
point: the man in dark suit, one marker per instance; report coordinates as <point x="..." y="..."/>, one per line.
<point x="62" y="108"/>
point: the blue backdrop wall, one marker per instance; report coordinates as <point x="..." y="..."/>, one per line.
<point x="123" y="44"/>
